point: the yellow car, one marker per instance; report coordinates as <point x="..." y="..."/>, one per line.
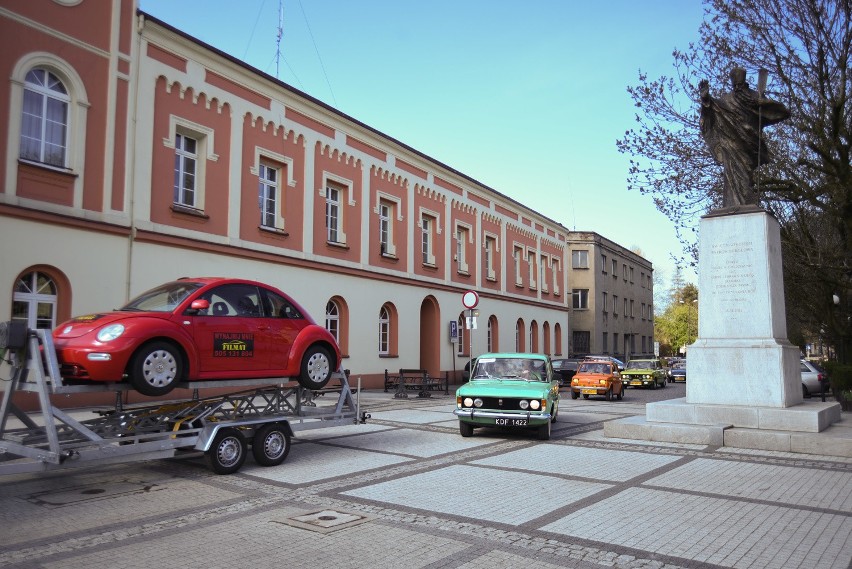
<point x="597" y="378"/>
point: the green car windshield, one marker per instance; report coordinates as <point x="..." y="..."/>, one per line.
<point x="523" y="369"/>
<point x="640" y="364"/>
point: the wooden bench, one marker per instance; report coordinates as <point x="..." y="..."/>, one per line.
<point x="414" y="379"/>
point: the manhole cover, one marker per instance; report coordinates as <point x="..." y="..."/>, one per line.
<point x="325" y="521"/>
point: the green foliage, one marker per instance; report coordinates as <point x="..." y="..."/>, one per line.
<point x="840" y="377"/>
<point x="805" y="45"/>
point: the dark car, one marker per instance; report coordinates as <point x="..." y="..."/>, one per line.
<point x="565" y="368"/>
<point x="677" y="373"/>
<point x="198" y="329"/>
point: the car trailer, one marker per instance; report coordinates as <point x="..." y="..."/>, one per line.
<point x="223" y="427"/>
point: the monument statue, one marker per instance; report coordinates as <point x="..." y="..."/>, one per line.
<point x="731" y="125"/>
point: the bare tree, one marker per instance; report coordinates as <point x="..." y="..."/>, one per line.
<point x="805" y="45"/>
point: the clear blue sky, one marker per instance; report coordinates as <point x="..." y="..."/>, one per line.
<point x="525" y="97"/>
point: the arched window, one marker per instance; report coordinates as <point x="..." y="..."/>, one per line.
<point x="384" y="331"/>
<point x="545" y="332"/>
<point x="557" y="339"/>
<point x="34" y="300"/>
<point x="44" y="118"/>
<point x="519" y="336"/>
<point x="332" y="319"/>
<point x="534" y="337"/>
<point x="460" y="346"/>
<point x="337" y="322"/>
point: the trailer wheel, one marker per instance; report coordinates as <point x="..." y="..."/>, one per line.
<point x="228" y="451"/>
<point x="155" y="368"/>
<point x="316" y="368"/>
<point x="270" y="445"/>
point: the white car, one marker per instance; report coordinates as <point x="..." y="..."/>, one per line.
<point x="813" y="379"/>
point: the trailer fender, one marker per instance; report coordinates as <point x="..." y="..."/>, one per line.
<point x="208" y="433"/>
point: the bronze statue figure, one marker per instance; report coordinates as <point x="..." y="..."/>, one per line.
<point x="731" y="126"/>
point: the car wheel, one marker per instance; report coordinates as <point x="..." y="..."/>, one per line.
<point x="228" y="452"/>
<point x="155" y="368"/>
<point x="663" y="385"/>
<point x="465" y="429"/>
<point x="585" y="396"/>
<point x="543" y="432"/>
<point x="654" y="384"/>
<point x="316" y="368"/>
<point x="270" y="445"/>
<point x="608" y="394"/>
<point x="620" y="393"/>
<point x="575" y="394"/>
<point x="554" y="412"/>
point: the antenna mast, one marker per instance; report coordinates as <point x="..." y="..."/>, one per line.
<point x="278" y="37"/>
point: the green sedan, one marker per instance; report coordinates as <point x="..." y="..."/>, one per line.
<point x="644" y="373"/>
<point x="514" y="390"/>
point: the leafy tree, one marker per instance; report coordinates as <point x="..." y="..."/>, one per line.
<point x="805" y="46"/>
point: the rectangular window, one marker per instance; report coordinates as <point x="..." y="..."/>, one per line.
<point x="532" y="271"/>
<point x="579" y="259"/>
<point x="615" y="305"/>
<point x="461" y="248"/>
<point x="631" y="275"/>
<point x="642" y="311"/>
<point x="385" y="227"/>
<point x="603" y="264"/>
<point x="580" y="298"/>
<point x="268" y="195"/>
<point x="186" y="159"/>
<point x="490" y="249"/>
<point x="624" y="271"/>
<point x="604" y="300"/>
<point x="642" y="279"/>
<point x="333" y="210"/>
<point x="581" y="340"/>
<point x="427" y="225"/>
<point x="518" y="256"/>
<point x="44" y="120"/>
<point x="615" y="268"/>
<point x="626" y="313"/>
<point x="542" y="272"/>
<point x="555" y="264"/>
<point x="632" y="312"/>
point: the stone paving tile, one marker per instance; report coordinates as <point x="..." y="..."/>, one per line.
<point x="413" y="442"/>
<point x="566" y="416"/>
<point x="599" y="464"/>
<point x="768" y="482"/>
<point x="336" y="432"/>
<point x="778" y="454"/>
<point x="598" y="436"/>
<point x="263" y="540"/>
<point x="473" y="493"/>
<point x="419" y="416"/>
<point x="720" y="531"/>
<point x="310" y="462"/>
<point x="86" y="499"/>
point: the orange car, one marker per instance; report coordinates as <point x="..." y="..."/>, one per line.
<point x="597" y="378"/>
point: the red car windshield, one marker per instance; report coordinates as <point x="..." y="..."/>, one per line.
<point x="164" y="298"/>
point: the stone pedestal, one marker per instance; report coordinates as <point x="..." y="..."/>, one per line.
<point x="742" y="356"/>
<point x="743" y="383"/>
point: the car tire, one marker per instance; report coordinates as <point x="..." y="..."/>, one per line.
<point x="228" y="452"/>
<point x="608" y="394"/>
<point x="543" y="432"/>
<point x="316" y="368"/>
<point x="663" y="385"/>
<point x="155" y="368"/>
<point x="465" y="429"/>
<point x="270" y="445"/>
<point x="575" y="394"/>
<point x="585" y="396"/>
<point x="654" y="384"/>
<point x="554" y="412"/>
<point x="620" y="393"/>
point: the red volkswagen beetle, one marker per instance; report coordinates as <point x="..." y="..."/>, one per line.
<point x="198" y="329"/>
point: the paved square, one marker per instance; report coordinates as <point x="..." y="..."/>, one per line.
<point x="412" y="442"/>
<point x="479" y="493"/>
<point x="584" y="462"/>
<point x="724" y="532"/>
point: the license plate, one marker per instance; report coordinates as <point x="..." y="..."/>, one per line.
<point x="511" y="422"/>
<point x="635" y="383"/>
<point x="589" y="391"/>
